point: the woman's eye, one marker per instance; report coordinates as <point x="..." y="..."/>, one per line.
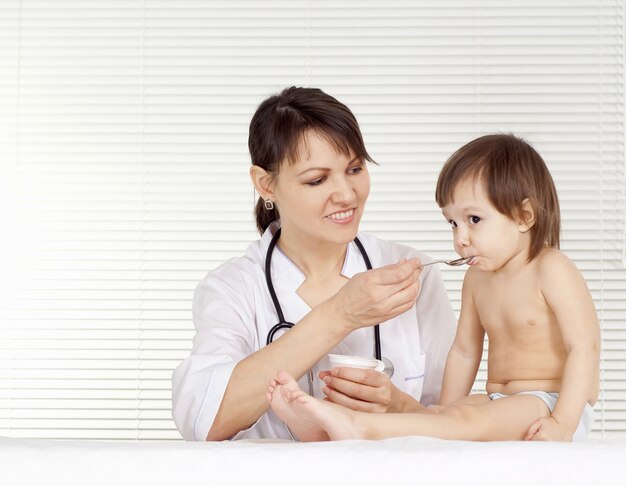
<point x="355" y="170"/>
<point x="474" y="219"/>
<point x="316" y="182"/>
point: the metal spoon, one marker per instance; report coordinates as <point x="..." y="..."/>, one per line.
<point x="453" y="263"/>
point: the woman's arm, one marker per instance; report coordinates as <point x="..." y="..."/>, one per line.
<point x="368" y="298"/>
<point x="295" y="351"/>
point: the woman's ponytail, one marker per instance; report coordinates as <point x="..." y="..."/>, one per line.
<point x="264" y="217"/>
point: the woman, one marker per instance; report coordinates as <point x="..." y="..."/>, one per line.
<point x="309" y="169"/>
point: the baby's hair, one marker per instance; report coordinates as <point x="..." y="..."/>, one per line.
<point x="512" y="171"/>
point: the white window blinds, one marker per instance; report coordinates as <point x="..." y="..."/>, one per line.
<point x="123" y="150"/>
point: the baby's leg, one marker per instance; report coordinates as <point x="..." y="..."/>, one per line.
<point x="281" y="392"/>
<point x="473" y="418"/>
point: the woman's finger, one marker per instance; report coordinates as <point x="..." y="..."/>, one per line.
<point x="323" y="374"/>
<point x="380" y="292"/>
<point x="358" y="375"/>
<point x="339" y="398"/>
<point x="365" y="385"/>
<point x="396" y="273"/>
<point x="353" y="390"/>
<point x="383" y="306"/>
<point x="365" y="301"/>
<point x="400" y="302"/>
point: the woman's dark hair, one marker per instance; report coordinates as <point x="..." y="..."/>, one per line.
<point x="512" y="171"/>
<point x="278" y="128"/>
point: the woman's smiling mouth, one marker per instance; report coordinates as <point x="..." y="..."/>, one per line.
<point x="341" y="217"/>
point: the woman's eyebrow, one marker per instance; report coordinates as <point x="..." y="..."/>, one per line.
<point x="326" y="169"/>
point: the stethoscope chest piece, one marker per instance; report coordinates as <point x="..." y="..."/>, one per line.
<point x="389" y="369"/>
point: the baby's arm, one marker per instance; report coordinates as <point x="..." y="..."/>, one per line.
<point x="467" y="349"/>
<point x="568" y="297"/>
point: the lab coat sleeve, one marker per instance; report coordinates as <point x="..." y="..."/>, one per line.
<point x="223" y="319"/>
<point x="437" y="327"/>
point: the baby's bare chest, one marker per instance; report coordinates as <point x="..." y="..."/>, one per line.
<point x="514" y="309"/>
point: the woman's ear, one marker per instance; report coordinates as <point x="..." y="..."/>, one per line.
<point x="262" y="181"/>
<point x="527" y="216"/>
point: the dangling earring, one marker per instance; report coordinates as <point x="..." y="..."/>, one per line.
<point x="269" y="205"/>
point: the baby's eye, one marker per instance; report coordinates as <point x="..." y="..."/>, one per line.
<point x="474" y="219"/>
<point x="452" y="223"/>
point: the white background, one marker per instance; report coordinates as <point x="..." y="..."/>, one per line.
<point x="124" y="168"/>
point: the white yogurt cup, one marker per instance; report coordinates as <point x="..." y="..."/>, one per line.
<point x="356" y="362"/>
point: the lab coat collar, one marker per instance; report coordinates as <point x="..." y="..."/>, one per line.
<point x="354" y="262"/>
<point x="286" y="272"/>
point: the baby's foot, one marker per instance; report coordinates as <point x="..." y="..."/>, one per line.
<point x="309" y="418"/>
<point x="281" y="391"/>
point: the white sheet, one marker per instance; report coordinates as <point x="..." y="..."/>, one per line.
<point x="407" y="460"/>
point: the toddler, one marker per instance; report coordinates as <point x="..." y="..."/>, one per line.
<point x="526" y="295"/>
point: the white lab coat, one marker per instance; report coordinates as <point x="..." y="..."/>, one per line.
<point x="233" y="313"/>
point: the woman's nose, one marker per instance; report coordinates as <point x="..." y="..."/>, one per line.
<point x="343" y="191"/>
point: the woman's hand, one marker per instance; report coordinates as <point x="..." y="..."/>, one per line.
<point x="378" y="295"/>
<point x="365" y="390"/>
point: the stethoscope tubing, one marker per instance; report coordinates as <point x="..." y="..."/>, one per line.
<point x="368" y="264"/>
<point x="282" y="323"/>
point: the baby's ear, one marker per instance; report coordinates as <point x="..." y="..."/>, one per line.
<point x="527" y="216"/>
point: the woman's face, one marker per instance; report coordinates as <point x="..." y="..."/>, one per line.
<point x="323" y="195"/>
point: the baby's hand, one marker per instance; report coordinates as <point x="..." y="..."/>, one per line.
<point x="548" y="429"/>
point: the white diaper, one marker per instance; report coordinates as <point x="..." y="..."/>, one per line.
<point x="550" y="398"/>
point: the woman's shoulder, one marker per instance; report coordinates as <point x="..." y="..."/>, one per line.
<point x="386" y="252"/>
<point x="244" y="270"/>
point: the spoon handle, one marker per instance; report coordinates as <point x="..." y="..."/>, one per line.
<point x="431" y="263"/>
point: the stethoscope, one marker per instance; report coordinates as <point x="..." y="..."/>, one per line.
<point x="283" y="324"/>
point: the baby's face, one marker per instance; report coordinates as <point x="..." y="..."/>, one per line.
<point x="481" y="231"/>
